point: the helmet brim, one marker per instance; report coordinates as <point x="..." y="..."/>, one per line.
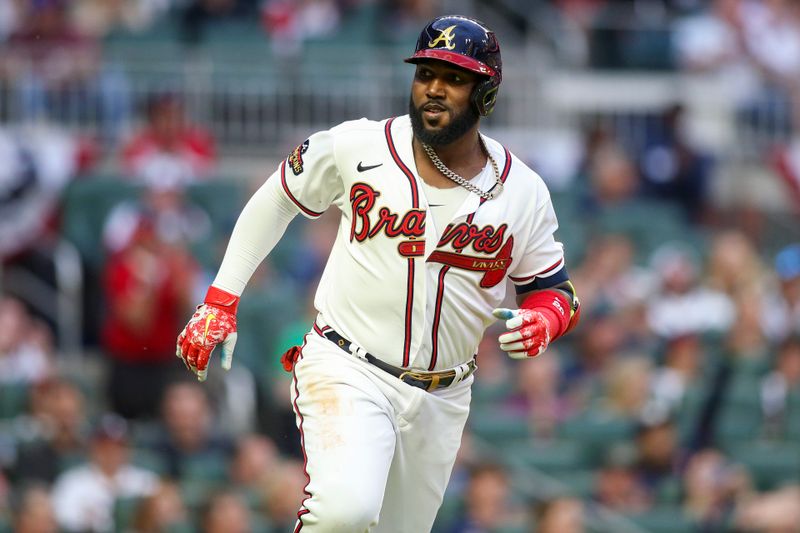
<point x="459" y="60"/>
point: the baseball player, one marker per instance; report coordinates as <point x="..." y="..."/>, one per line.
<point x="434" y="217"/>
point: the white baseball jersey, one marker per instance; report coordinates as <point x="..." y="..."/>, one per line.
<point x="413" y="289"/>
<point x="407" y="290"/>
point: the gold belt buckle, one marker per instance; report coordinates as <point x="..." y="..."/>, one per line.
<point x="434" y="382"/>
<point x="431" y="379"/>
<point x="414" y="375"/>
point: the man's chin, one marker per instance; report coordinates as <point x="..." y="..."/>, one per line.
<point x="435" y="125"/>
<point x="432" y="130"/>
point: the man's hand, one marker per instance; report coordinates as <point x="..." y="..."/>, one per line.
<point x="528" y="332"/>
<point x="213" y="323"/>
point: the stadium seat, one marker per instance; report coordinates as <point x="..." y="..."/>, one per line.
<point x="261" y="524"/>
<point x="484" y="395"/>
<point x="148" y="460"/>
<point x="498" y="427"/>
<point x="572" y="229"/>
<point x="751" y="367"/>
<point x="206" y="468"/>
<point x="551" y="457"/>
<point x="360" y="24"/>
<point x="669" y="491"/>
<point x="597" y="430"/>
<point x="578" y="483"/>
<point x="244" y="31"/>
<point x="731" y="427"/>
<point x="687" y="416"/>
<point x="666" y="519"/>
<point x="236" y="45"/>
<point x="201" y="477"/>
<point x="740" y="414"/>
<point x="511" y="529"/>
<point x="649" y="224"/>
<point x="770" y="463"/>
<point x="744" y="390"/>
<point x="86" y="205"/>
<point x="793" y="417"/>
<point x="196" y="493"/>
<point x="648" y="49"/>
<point x="124" y="513"/>
<point x="222" y="200"/>
<point x="72" y="460"/>
<point x="135" y="50"/>
<point x="13" y="399"/>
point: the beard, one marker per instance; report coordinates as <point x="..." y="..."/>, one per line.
<point x="459" y="125"/>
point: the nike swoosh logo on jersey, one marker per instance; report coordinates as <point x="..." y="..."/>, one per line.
<point x="362" y="168"/>
<point x="209" y="318"/>
<point x="435" y="205"/>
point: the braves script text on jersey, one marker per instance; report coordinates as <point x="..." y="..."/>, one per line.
<point x="385" y="236"/>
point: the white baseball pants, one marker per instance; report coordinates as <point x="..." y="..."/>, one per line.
<point x="378" y="452"/>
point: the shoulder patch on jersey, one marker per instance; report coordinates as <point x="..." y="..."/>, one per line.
<point x="296" y="158"/>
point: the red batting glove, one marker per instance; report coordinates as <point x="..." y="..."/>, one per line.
<point x="213" y="323"/>
<point x="544" y="316"/>
<point x="528" y="332"/>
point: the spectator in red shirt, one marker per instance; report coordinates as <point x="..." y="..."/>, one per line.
<point x="169" y="147"/>
<point x="147" y="286"/>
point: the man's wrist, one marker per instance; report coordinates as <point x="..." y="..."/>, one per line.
<point x="554" y="307"/>
<point x="222" y="299"/>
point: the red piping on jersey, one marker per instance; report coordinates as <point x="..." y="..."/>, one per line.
<point x="303" y="511"/>
<point x="300" y="514"/>
<point x="410" y="175"/>
<point x="412" y="181"/>
<point x="409" y="311"/>
<point x="296" y="202"/>
<point x="545" y="271"/>
<point x="437" y="315"/>
<point x="321" y="331"/>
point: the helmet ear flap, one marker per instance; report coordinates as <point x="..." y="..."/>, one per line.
<point x="484" y="96"/>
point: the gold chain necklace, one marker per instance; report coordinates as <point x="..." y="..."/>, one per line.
<point x="441" y="167"/>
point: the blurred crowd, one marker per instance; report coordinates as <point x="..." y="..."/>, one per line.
<point x="675" y="403"/>
<point x="53" y="67"/>
<point x="751" y="48"/>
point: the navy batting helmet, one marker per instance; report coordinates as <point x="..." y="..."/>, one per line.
<point x="468" y="44"/>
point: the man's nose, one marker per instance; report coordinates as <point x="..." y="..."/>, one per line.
<point x="435" y="89"/>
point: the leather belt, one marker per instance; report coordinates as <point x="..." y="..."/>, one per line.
<point x="428" y="381"/>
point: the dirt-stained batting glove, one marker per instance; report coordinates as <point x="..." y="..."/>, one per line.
<point x="528" y="332"/>
<point x="213" y="323"/>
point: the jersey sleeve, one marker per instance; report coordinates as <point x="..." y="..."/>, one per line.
<point x="309" y="176"/>
<point x="542" y="263"/>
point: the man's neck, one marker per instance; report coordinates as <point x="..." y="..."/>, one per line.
<point x="464" y="151"/>
<point x="463" y="156"/>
